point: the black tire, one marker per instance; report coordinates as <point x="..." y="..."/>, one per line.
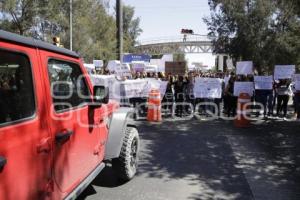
<point x="127" y="163"/>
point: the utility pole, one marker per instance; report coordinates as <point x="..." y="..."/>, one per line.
<point x="119" y="20"/>
<point x="71" y="25"/>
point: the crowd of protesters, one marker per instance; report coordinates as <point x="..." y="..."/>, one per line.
<point x="275" y="102"/>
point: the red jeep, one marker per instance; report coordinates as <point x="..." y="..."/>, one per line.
<point x="56" y="130"/>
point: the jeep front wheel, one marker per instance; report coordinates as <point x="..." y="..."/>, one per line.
<point x="126" y="165"/>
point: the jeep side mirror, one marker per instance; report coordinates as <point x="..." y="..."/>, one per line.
<point x="101" y="95"/>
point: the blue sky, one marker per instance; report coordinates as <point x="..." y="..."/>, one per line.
<point x="168" y="17"/>
<point x="163" y="18"/>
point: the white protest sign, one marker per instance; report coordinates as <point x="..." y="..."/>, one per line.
<point x="98" y="63"/>
<point x="244" y="68"/>
<point x="138" y="67"/>
<point x="284" y="71"/>
<point x="123" y="70"/>
<point x="263" y="82"/>
<point x="208" y="88"/>
<point x="243" y="87"/>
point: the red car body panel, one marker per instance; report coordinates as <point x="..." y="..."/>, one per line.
<point x="37" y="166"/>
<point x="28" y="169"/>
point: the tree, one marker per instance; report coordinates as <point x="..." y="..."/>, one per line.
<point x="19" y="15"/>
<point x="94" y="28"/>
<point x="131" y="27"/>
<point x="264" y="31"/>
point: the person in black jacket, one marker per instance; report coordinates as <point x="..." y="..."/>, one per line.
<point x="179" y="95"/>
<point x="169" y="96"/>
<point x="232" y="100"/>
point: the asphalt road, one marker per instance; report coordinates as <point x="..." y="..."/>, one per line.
<point x="209" y="160"/>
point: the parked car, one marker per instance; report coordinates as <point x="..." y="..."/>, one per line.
<point x="56" y="129"/>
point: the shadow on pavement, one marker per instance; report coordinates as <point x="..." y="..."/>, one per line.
<point x="223" y="162"/>
<point x="198" y="153"/>
<point x="107" y="178"/>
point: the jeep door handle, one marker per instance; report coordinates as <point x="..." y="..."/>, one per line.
<point x="3" y="162"/>
<point x="64" y="136"/>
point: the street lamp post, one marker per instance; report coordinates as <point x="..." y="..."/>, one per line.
<point x="119" y="20"/>
<point x="71" y="25"/>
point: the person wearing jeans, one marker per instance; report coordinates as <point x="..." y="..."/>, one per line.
<point x="284" y="91"/>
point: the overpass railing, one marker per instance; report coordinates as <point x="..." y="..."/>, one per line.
<point x="175" y="39"/>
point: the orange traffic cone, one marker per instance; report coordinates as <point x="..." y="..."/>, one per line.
<point x="154" y="106"/>
<point x="241" y="120"/>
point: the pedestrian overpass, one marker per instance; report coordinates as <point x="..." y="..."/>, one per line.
<point x="192" y="44"/>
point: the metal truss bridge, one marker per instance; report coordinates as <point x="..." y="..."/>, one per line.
<point x="176" y="45"/>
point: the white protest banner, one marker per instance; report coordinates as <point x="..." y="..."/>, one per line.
<point x="263" y="82"/>
<point x="155" y="84"/>
<point x="102" y="80"/>
<point x="163" y="88"/>
<point x="208" y="88"/>
<point x="243" y="87"/>
<point x="244" y="68"/>
<point x="284" y="71"/>
<point x="108" y="81"/>
<point x="133" y="88"/>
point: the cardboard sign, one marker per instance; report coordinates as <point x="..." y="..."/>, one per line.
<point x="244" y="68"/>
<point x="284" y="71"/>
<point x="263" y="82"/>
<point x="208" y="88"/>
<point x="243" y="87"/>
<point x="175" y="68"/>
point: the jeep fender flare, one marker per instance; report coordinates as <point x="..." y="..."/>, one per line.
<point x="120" y="119"/>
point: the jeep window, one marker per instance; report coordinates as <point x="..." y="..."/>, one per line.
<point x="16" y="87"/>
<point x="68" y="86"/>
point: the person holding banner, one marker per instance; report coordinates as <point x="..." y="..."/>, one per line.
<point x="283" y="91"/>
<point x="264" y="93"/>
